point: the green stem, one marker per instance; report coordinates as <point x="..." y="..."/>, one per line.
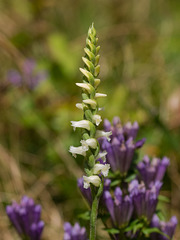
<point x="94" y="212"/>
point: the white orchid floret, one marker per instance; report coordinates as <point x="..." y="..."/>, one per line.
<point x="78" y="150"/>
<point x="103" y="134"/>
<point x="95" y="180"/>
<point x="92" y="102"/>
<point x="91" y="142"/>
<point x="101" y="168"/>
<point x="81" y="124"/>
<point x="79" y="105"/>
<point x="97" y="119"/>
<point x="102" y="155"/>
<point x="97" y="95"/>
<point x="86" y="86"/>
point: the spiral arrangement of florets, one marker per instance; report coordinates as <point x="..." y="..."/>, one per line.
<point x="89" y="145"/>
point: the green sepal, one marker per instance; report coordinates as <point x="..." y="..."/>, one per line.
<point x="85" y="136"/>
<point x="92" y="130"/>
<point x="88" y="172"/>
<point x="85" y="96"/>
<point x="97" y="151"/>
<point x="91" y="161"/>
<point x="88" y="115"/>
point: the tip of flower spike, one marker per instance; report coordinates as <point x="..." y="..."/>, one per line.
<point x="92" y="29"/>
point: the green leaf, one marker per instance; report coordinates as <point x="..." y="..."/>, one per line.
<point x="85" y="216"/>
<point x="163" y="199"/>
<point x="137" y="227"/>
<point x="112" y="230"/>
<point x="114" y="183"/>
<point x="148" y="231"/>
<point x="132" y="225"/>
<point x="130" y="178"/>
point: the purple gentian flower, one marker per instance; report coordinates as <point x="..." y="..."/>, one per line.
<point x="152" y="170"/>
<point x="87" y="192"/>
<point x="74" y="232"/>
<point x="29" y="75"/>
<point x="25" y="217"/>
<point x="120" y="208"/>
<point x="121" y="148"/>
<point x="165" y="227"/>
<point x="145" y="200"/>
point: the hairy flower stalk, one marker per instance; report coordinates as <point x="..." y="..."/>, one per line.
<point x="90" y="148"/>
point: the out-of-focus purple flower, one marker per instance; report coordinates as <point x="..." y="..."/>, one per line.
<point x="165" y="227"/>
<point x="74" y="232"/>
<point x="152" y="170"/>
<point x="14" y="77"/>
<point x="87" y="192"/>
<point x="145" y="200"/>
<point x="25" y="217"/>
<point x="29" y="75"/>
<point x="120" y="149"/>
<point x="120" y="208"/>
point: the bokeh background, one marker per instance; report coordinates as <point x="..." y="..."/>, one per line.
<point x="41" y="45"/>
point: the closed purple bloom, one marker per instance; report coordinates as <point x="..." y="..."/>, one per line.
<point x="87" y="192"/>
<point x="152" y="170"/>
<point x="165" y="227"/>
<point x="74" y="232"/>
<point x="120" y="150"/>
<point x="145" y="200"/>
<point x="29" y="76"/>
<point x="26" y="218"/>
<point x="120" y="208"/>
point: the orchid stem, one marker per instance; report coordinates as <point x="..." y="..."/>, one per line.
<point x="94" y="213"/>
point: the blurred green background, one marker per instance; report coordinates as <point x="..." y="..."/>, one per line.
<point x="140" y="56"/>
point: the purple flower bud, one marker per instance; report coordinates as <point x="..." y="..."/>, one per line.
<point x="145" y="200"/>
<point x="25" y="217"/>
<point x="74" y="232"/>
<point x="87" y="192"/>
<point x="165" y="227"/>
<point x="120" y="208"/>
<point x="131" y="130"/>
<point x="120" y="149"/>
<point x="152" y="170"/>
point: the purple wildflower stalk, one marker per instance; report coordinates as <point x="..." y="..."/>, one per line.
<point x="152" y="170"/>
<point x="25" y="218"/>
<point x="121" y="148"/>
<point x="145" y="200"/>
<point x="167" y="228"/>
<point x="120" y="208"/>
